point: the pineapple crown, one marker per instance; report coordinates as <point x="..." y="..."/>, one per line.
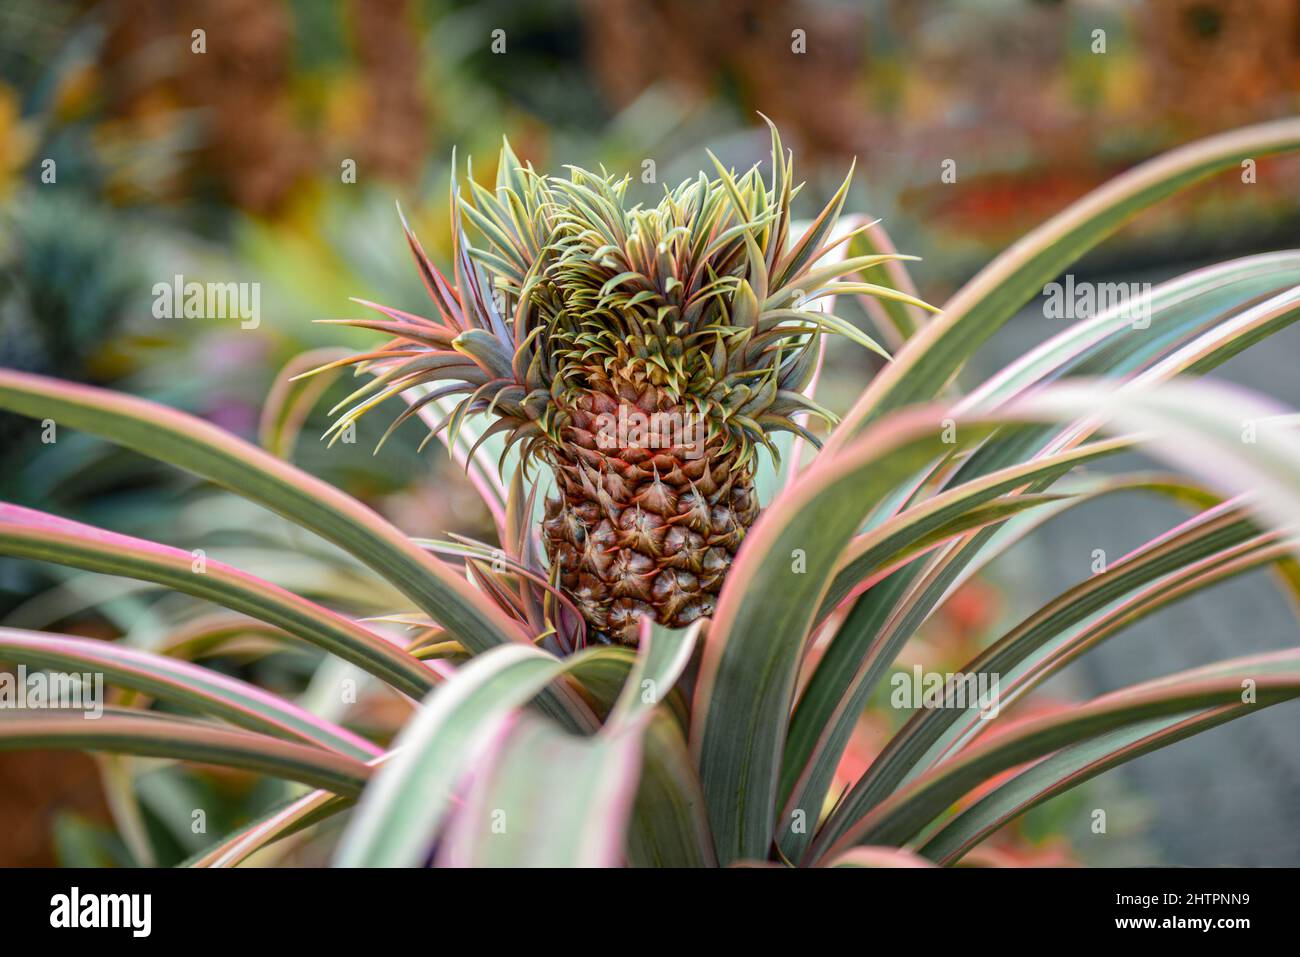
<point x="705" y="301"/>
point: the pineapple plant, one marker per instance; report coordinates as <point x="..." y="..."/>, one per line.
<point x="716" y="743"/>
<point x="645" y="355"/>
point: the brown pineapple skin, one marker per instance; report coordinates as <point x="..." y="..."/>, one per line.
<point x="642" y="531"/>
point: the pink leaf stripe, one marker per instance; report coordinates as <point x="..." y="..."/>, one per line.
<point x="287" y="405"/>
<point x="239" y="702"/>
<point x="903" y="813"/>
<point x="741" y="715"/>
<point x="207" y="450"/>
<point x="32" y="534"/>
<point x="151" y="735"/>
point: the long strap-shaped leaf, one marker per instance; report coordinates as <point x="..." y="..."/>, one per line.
<point x="1064" y="770"/>
<point x="409" y="799"/>
<point x="210" y="634"/>
<point x="1200" y="304"/>
<point x="1023" y="659"/>
<point x="747" y="673"/>
<point x="1211" y="347"/>
<point x="1176" y="307"/>
<point x="980" y="307"/>
<point x="1259" y="681"/>
<point x="282" y="821"/>
<point x="747" y="676"/>
<point x="668" y="826"/>
<point x="26" y="533"/>
<point x="179" y="682"/>
<point x="1039" y="663"/>
<point x="1208" y="350"/>
<point x="1217" y="533"/>
<point x="200" y="447"/>
<point x="606" y="670"/>
<point x="1196" y="301"/>
<point x="866" y="645"/>
<point x="1197" y="425"/>
<point x="1176" y="302"/>
<point x="547" y="797"/>
<point x="1072" y="766"/>
<point x="1110" y="341"/>
<point x="873" y="550"/>
<point x="150" y="735"/>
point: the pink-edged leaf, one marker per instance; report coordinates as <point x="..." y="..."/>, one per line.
<point x="543" y="797"/>
<point x="168" y="679"/>
<point x="931" y="357"/>
<point x="1182" y="303"/>
<point x="400" y="814"/>
<point x="747" y="673"/>
<point x="1026" y="674"/>
<point x="1216" y="532"/>
<point x="206" y="450"/>
<point x="289" y="402"/>
<point x="897" y="321"/>
<point x="869" y="552"/>
<point x="478" y="461"/>
<point x="152" y="735"/>
<point x="1258" y="681"/>
<point x="277" y="825"/>
<point x="863" y="648"/>
<point x="26" y="533"/>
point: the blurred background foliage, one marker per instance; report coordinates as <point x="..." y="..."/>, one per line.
<point x="227" y="165"/>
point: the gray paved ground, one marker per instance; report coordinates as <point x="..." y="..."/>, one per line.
<point x="1232" y="795"/>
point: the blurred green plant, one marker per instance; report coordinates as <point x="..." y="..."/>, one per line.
<point x="66" y="285"/>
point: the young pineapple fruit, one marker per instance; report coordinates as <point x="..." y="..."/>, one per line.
<point x="645" y="354"/>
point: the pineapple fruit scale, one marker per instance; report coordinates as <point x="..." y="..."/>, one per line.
<point x="644" y="528"/>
